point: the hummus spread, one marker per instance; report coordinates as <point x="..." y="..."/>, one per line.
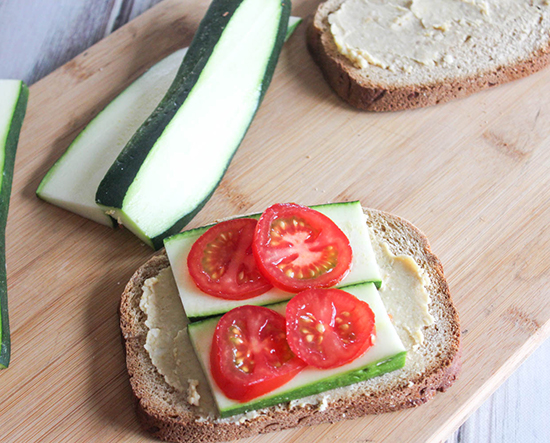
<point x="169" y="345"/>
<point x="172" y="353"/>
<point x="404" y="294"/>
<point x="399" y="35"/>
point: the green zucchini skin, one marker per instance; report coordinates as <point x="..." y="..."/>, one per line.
<point x="5" y="192"/>
<point x="114" y="186"/>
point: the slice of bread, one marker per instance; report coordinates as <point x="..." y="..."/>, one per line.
<point x="500" y="41"/>
<point x="431" y="366"/>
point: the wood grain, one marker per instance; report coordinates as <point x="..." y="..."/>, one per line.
<point x="472" y="174"/>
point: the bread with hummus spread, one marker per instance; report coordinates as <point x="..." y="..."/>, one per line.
<point x="402" y="54"/>
<point x="172" y="395"/>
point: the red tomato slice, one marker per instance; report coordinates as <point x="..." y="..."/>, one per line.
<point x="328" y="328"/>
<point x="221" y="262"/>
<point x="249" y="355"/>
<point x="299" y="248"/>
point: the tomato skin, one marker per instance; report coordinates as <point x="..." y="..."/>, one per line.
<point x="221" y="262"/>
<point x="250" y="356"/>
<point x="328" y="328"/>
<point x="298" y="248"/>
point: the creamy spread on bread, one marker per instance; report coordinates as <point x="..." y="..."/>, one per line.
<point x="404" y="294"/>
<point x="193" y="396"/>
<point x="167" y="341"/>
<point x="172" y="353"/>
<point x="164" y="321"/>
<point x="400" y="35"/>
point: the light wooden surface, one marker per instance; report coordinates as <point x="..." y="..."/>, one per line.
<point x="472" y="174"/>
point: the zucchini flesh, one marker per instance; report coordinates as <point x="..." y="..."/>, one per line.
<point x="13" y="104"/>
<point x="72" y="182"/>
<point x="174" y="162"/>
<point x="293" y="23"/>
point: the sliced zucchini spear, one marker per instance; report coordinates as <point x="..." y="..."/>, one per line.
<point x="72" y="181"/>
<point x="174" y="162"/>
<point x="13" y="104"/>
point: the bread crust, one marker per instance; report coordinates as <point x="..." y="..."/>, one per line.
<point x="155" y="399"/>
<point x="346" y="80"/>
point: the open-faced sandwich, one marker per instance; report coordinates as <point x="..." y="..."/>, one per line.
<point x="292" y="317"/>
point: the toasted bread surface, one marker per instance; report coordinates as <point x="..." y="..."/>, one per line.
<point x="433" y="366"/>
<point x="377" y="89"/>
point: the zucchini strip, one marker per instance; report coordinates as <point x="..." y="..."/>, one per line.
<point x="72" y="182"/>
<point x="13" y="104"/>
<point x="174" y="162"/>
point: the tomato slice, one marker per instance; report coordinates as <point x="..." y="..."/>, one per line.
<point x="221" y="262"/>
<point x="250" y="355"/>
<point x="298" y="248"/>
<point x="328" y="328"/>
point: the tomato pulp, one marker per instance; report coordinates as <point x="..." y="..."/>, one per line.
<point x="327" y="328"/>
<point x="298" y="248"/>
<point x="250" y="355"/>
<point x="221" y="262"/>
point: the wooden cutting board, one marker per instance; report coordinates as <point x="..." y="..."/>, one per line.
<point x="472" y="174"/>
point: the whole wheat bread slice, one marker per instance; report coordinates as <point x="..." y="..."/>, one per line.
<point x="523" y="51"/>
<point x="432" y="367"/>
